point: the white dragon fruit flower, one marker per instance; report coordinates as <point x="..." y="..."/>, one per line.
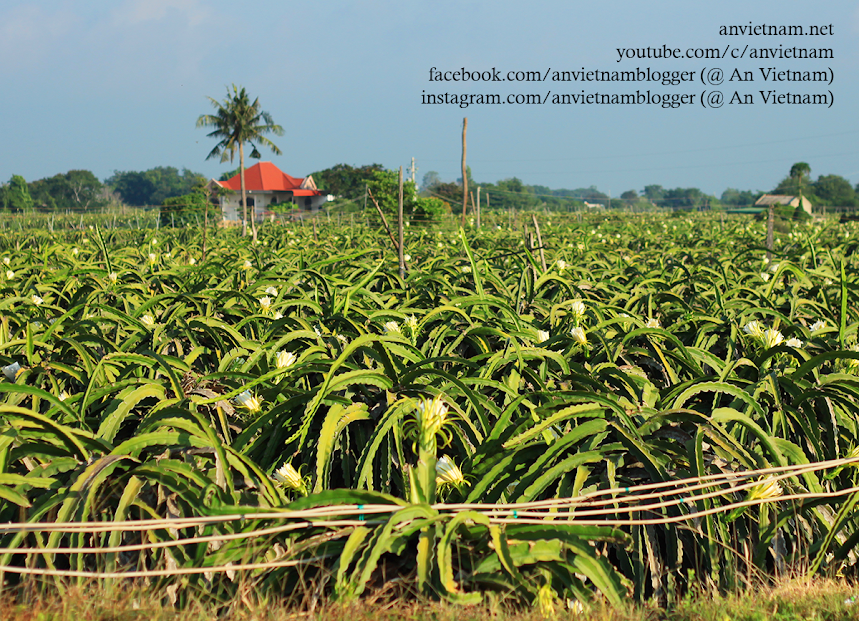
<point x="249" y="401"/>
<point x="448" y="473"/>
<point x="772" y="338"/>
<point x="754" y="328"/>
<point x="285" y="359"/>
<point x="291" y="478"/>
<point x="579" y="336"/>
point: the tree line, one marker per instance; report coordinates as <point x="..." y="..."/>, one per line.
<point x="81" y="190"/>
<point x="827" y="190"/>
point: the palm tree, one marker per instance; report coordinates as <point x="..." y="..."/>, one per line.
<point x="237" y="121"/>
<point x="798" y="172"/>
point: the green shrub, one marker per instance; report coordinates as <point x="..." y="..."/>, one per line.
<point x="183" y="210"/>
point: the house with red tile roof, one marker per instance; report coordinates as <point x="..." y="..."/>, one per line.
<point x="266" y="186"/>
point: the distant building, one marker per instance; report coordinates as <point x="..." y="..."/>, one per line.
<point x="783" y="199"/>
<point x="266" y="185"/>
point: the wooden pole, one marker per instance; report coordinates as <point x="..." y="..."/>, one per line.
<point x="478" y="206"/>
<point x="770" y="230"/>
<point x="464" y="175"/>
<point x="539" y="240"/>
<point x="244" y="190"/>
<point x="384" y="219"/>
<point x="205" y="224"/>
<point x="400" y="227"/>
<point x="529" y="240"/>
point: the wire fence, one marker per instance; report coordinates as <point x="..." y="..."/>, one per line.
<point x="616" y="507"/>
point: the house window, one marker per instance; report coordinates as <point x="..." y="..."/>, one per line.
<point x="307" y="202"/>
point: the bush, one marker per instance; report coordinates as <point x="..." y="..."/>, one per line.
<point x="432" y="208"/>
<point x="183" y="210"/>
<point x="384" y="186"/>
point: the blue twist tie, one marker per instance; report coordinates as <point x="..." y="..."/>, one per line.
<point x="515" y="514"/>
<point x="360" y="517"/>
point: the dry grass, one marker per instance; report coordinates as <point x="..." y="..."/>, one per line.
<point x="820" y="600"/>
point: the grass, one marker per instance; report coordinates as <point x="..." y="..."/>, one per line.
<point x="790" y="600"/>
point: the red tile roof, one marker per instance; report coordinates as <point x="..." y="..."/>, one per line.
<point x="266" y="177"/>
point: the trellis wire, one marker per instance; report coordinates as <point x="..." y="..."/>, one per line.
<point x="537" y="512"/>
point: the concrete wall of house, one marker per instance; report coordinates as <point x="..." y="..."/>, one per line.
<point x="229" y="209"/>
<point x="806" y="204"/>
<point x="232" y="209"/>
<point x="310" y="203"/>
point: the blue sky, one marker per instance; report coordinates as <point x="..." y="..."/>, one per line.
<point x="119" y="85"/>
